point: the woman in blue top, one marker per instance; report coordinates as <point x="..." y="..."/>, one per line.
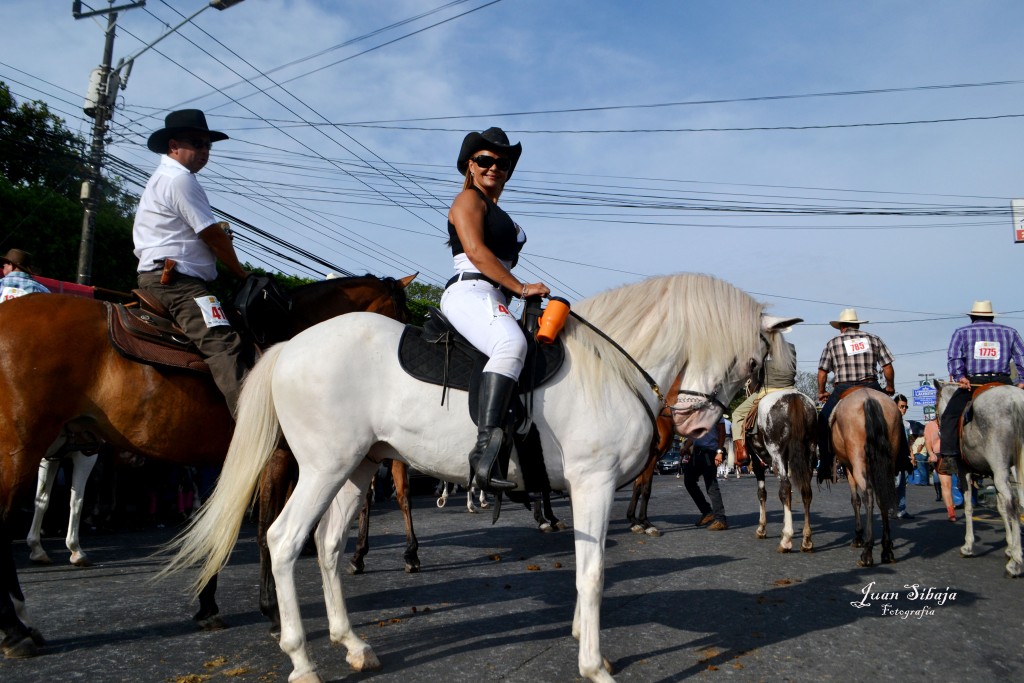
<point x="485" y="244"/>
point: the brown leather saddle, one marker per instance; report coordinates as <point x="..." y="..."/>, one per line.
<point x="968" y="414"/>
<point x="146" y="334"/>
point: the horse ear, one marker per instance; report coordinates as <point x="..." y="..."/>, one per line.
<point x="407" y="280"/>
<point x="772" y="323"/>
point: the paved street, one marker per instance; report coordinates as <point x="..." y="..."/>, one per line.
<point x="693" y="603"/>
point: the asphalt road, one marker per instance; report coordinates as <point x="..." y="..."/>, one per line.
<point x="692" y="603"/>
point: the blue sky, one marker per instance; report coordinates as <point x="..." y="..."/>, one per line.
<point x="604" y="208"/>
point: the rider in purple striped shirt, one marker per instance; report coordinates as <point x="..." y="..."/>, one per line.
<point x="978" y="354"/>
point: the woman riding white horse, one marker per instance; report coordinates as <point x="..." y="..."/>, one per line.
<point x="344" y="411"/>
<point x="485" y="244"/>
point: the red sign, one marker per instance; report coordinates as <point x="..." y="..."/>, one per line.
<point x="61" y="287"/>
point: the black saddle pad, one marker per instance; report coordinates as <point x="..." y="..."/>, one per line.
<point x="437" y="354"/>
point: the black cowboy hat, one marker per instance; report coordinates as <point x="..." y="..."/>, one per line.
<point x="19" y="259"/>
<point x="493" y="139"/>
<point x="179" y="122"/>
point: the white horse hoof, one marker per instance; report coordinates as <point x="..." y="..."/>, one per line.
<point x="966" y="552"/>
<point x="637" y="529"/>
<point x="653" y="532"/>
<point x="546" y="527"/>
<point x="472" y="510"/>
<point x="80" y="559"/>
<point x="561" y="526"/>
<point x="364" y="660"/>
<point x="485" y="505"/>
<point x="40" y="558"/>
<point x="310" y="677"/>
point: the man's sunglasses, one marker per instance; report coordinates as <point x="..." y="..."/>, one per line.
<point x="197" y="143"/>
<point x="485" y="162"/>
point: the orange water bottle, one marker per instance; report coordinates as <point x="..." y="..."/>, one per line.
<point x="553" y="319"/>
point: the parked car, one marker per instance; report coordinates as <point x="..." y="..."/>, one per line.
<point x="668" y="463"/>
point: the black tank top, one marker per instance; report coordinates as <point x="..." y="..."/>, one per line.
<point x="500" y="233"/>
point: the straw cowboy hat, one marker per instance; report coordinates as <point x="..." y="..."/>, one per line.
<point x="18" y="259"/>
<point x="847" y="317"/>
<point x="179" y="122"/>
<point x="493" y="139"/>
<point x="982" y="308"/>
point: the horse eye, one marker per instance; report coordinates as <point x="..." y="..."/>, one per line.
<point x="752" y="365"/>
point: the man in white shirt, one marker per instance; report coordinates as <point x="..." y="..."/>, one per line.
<point x="178" y="242"/>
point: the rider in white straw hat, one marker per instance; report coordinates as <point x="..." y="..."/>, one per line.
<point x="979" y="353"/>
<point x="854" y="358"/>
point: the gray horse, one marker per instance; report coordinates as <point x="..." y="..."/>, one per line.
<point x="992" y="444"/>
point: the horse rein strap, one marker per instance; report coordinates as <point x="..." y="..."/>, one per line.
<point x="647" y="377"/>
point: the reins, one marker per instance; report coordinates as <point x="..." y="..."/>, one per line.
<point x="708" y="398"/>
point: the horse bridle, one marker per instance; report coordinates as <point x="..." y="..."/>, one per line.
<point x="710" y="399"/>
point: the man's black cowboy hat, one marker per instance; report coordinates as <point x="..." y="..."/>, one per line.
<point x="493" y="139"/>
<point x="179" y="122"/>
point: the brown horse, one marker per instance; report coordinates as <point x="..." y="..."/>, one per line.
<point x="636" y="513"/>
<point x="867" y="431"/>
<point x="57" y="367"/>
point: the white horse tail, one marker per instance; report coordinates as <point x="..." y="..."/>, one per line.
<point x="210" y="537"/>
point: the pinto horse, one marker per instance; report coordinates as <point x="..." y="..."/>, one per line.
<point x="57" y="366"/>
<point x="343" y="413"/>
<point x="992" y="443"/>
<point x="867" y="434"/>
<point x="785" y="438"/>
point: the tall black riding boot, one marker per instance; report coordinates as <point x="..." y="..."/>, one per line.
<point x="495" y="394"/>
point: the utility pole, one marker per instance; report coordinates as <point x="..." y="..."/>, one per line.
<point x="99" y="104"/>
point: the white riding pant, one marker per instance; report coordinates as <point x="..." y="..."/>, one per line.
<point x="479" y="311"/>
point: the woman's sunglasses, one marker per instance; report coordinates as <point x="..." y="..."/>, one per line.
<point x="485" y="162"/>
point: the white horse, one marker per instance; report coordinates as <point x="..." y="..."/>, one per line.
<point x="81" y="468"/>
<point x="75" y="434"/>
<point x="992" y="443"/>
<point x="344" y="404"/>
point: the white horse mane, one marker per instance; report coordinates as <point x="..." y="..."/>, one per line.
<point x="688" y="318"/>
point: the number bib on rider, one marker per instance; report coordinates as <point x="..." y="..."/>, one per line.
<point x="856" y="346"/>
<point x="8" y="293"/>
<point x="213" y="313"/>
<point x="986" y="350"/>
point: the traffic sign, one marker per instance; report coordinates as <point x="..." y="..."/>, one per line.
<point x="925" y="396"/>
<point x="1018" y="220"/>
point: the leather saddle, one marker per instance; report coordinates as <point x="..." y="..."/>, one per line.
<point x="968" y="414"/>
<point x="438" y="354"/>
<point x="145" y="334"/>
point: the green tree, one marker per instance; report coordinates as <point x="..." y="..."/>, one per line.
<point x="41" y="172"/>
<point x="421" y="296"/>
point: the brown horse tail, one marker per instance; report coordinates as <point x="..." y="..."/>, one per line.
<point x="802" y="437"/>
<point x="879" y="455"/>
<point x="212" y="534"/>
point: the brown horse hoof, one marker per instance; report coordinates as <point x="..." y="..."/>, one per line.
<point x="355" y="569"/>
<point x="857" y="543"/>
<point x="761" y="534"/>
<point x="22" y="648"/>
<point x="561" y="526"/>
<point x="783" y="551"/>
<point x="808" y="548"/>
<point x="211" y="623"/>
<point x="412" y="568"/>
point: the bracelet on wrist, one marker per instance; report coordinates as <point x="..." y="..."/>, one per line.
<point x="523" y="295"/>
